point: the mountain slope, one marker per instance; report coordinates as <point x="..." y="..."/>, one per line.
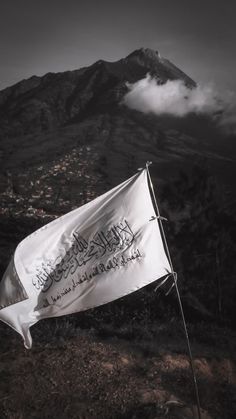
<point x="41" y="103"/>
<point x="42" y="119"/>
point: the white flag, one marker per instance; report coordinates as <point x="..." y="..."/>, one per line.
<point x="97" y="253"/>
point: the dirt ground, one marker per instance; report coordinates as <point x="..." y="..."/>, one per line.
<point x="88" y="375"/>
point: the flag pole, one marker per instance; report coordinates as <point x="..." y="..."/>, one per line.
<point x="174" y="274"/>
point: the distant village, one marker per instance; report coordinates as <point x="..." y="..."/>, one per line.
<point x="51" y="189"/>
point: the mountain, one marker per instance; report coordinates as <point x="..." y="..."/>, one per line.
<point x="42" y="103"/>
<point x="66" y="137"/>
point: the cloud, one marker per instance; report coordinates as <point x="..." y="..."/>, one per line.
<point x="227" y="119"/>
<point x="175" y="98"/>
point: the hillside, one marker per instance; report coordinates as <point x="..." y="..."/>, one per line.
<point x="133" y="372"/>
<point x="43" y="118"/>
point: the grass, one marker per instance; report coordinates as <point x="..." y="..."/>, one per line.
<point x="80" y="368"/>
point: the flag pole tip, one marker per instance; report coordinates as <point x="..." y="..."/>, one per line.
<point x="148" y="163"/>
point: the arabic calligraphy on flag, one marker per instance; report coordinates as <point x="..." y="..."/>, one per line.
<point x="80" y="253"/>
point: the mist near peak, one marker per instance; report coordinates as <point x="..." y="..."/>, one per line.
<point x="175" y="98"/>
<point x="172" y="97"/>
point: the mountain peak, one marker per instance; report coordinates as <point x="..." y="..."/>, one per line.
<point x="157" y="66"/>
<point x="145" y="54"/>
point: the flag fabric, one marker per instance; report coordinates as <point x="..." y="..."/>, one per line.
<point x="105" y="249"/>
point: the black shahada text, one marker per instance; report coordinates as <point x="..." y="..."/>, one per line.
<point x="114" y="263"/>
<point x="82" y="253"/>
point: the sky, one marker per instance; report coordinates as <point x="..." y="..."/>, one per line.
<point x="41" y="36"/>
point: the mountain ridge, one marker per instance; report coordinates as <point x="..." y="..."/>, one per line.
<point x="57" y="98"/>
<point x="44" y="117"/>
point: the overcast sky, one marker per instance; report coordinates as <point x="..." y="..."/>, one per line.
<point x="38" y="36"/>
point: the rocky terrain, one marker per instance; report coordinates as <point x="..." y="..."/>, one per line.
<point x="139" y="370"/>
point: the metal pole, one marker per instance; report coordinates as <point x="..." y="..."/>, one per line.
<point x="159" y="218"/>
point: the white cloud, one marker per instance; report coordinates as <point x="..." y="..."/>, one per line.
<point x="173" y="97"/>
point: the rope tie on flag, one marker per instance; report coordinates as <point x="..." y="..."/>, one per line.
<point x="158" y="217"/>
<point x="171" y="274"/>
<point x="148" y="163"/>
<point x="174" y="283"/>
<point x="161" y="283"/>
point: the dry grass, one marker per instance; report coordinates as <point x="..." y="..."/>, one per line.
<point x="74" y="373"/>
